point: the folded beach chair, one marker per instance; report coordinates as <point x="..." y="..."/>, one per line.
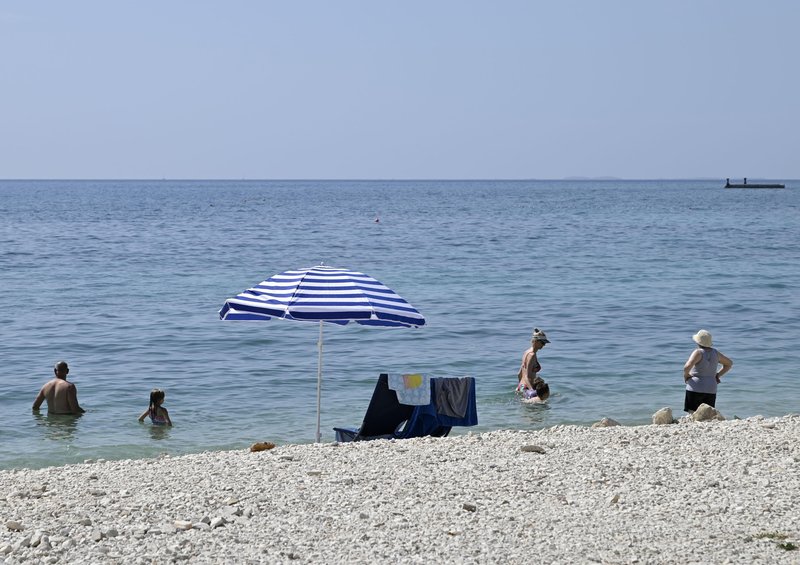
<point x="387" y="418"/>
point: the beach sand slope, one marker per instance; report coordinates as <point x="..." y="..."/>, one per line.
<point x="713" y="492"/>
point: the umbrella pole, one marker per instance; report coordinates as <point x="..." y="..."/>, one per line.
<point x="319" y="377"/>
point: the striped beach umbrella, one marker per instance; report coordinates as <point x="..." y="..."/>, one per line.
<point x="323" y="294"/>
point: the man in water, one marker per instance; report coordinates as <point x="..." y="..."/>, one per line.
<point x="60" y="394"/>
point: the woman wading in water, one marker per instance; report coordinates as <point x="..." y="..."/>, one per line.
<point x="700" y="372"/>
<point x="530" y="386"/>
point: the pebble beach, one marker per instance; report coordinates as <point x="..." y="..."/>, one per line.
<point x="687" y="492"/>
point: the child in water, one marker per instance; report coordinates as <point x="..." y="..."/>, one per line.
<point x="538" y="393"/>
<point x="158" y="414"/>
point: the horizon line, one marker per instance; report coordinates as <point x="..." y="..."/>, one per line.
<point x="364" y="179"/>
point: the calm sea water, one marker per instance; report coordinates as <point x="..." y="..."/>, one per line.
<point x="124" y="279"/>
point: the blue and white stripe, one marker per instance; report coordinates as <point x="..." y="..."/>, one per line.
<point x="325" y="294"/>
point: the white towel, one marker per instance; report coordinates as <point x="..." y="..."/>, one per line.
<point x="411" y="389"/>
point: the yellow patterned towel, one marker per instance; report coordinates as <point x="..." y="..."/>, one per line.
<point x="413" y="381"/>
<point x="413" y="388"/>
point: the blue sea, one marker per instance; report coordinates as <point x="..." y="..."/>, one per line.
<point x="124" y="281"/>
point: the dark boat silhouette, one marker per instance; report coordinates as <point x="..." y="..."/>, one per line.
<point x="729" y="184"/>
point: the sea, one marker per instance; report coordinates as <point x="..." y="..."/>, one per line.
<point x="124" y="281"/>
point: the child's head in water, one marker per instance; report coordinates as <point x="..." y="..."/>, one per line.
<point x="542" y="389"/>
<point x="156" y="398"/>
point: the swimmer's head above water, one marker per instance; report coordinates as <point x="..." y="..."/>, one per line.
<point x="542" y="390"/>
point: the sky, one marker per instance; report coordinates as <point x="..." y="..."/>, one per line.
<point x="434" y="89"/>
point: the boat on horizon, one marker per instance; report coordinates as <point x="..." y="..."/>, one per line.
<point x="729" y="184"/>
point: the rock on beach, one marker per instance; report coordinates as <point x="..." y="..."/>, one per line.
<point x="693" y="492"/>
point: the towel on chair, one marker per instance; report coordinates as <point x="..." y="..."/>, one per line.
<point x="411" y="389"/>
<point x="452" y="396"/>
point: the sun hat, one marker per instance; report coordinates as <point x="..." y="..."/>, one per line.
<point x="539" y="335"/>
<point x="702" y="338"/>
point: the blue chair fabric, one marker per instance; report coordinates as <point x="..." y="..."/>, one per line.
<point x="386" y="418"/>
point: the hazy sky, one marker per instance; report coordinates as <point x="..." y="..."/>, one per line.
<point x="404" y="89"/>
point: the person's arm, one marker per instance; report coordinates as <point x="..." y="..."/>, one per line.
<point x="39" y="399"/>
<point x="521" y="372"/>
<point x="694" y="358"/>
<point x="144" y="415"/>
<point x="72" y="400"/>
<point x="527" y="365"/>
<point x="533" y="366"/>
<point x="166" y="416"/>
<point x="726" y="365"/>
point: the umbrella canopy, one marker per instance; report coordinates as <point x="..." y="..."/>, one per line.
<point x="323" y="294"/>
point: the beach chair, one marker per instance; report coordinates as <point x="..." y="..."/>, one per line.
<point x="386" y="418"/>
<point x="382" y="418"/>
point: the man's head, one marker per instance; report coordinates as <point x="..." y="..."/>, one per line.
<point x="61" y="369"/>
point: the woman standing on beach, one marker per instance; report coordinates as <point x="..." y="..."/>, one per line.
<point x="530" y="385"/>
<point x="700" y="372"/>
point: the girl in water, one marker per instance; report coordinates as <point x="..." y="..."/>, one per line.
<point x="158" y="414"/>
<point x="531" y="387"/>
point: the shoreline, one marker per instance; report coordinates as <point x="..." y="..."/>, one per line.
<point x="719" y="491"/>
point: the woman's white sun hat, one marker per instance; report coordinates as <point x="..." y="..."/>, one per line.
<point x="539" y="335"/>
<point x="702" y="338"/>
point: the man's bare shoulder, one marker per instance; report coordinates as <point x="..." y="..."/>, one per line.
<point x="58" y="385"/>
